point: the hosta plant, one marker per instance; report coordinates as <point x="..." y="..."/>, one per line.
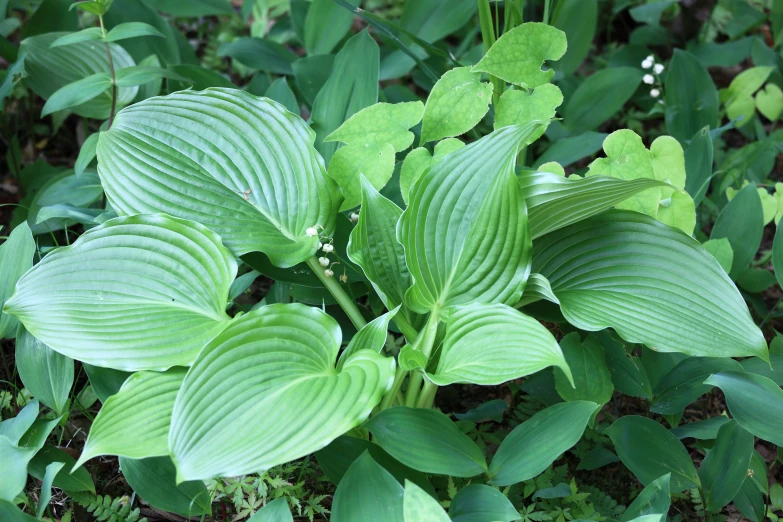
<point x="444" y="278"/>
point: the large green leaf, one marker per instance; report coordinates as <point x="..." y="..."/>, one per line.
<point x="368" y="492"/>
<point x="275" y="511"/>
<point x="456" y="104"/>
<point x="418" y="506"/>
<point x="742" y="223"/>
<point x="277" y="364"/>
<point x="691" y="97"/>
<point x="649" y="282"/>
<point x="578" y="19"/>
<point x="591" y="380"/>
<point x="77" y="93"/>
<point x="45" y="373"/>
<point x="428" y="441"/>
<point x="374" y="247"/>
<point x="493" y="344"/>
<point x="554" y="201"/>
<point x="599" y="97"/>
<point x="684" y="383"/>
<point x="655" y="498"/>
<point x="352" y="86"/>
<point x="726" y="465"/>
<point x="249" y="172"/>
<point x="146" y="399"/>
<point x="419" y="159"/>
<point x="755" y="402"/>
<point x="431" y="21"/>
<point x="67" y="479"/>
<point x="50" y="69"/>
<point x="465" y="231"/>
<point x="260" y="55"/>
<point x="649" y="450"/>
<point x="388" y="122"/>
<point x="481" y="503"/>
<point x="517" y="56"/>
<point x="138" y="292"/>
<point x="16" y="258"/>
<point x="325" y="25"/>
<point x="537" y="442"/>
<point x="154" y="479"/>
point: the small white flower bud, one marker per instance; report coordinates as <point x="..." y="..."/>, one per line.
<point x="328" y="273"/>
<point x="354" y="217"/>
<point x="646" y="64"/>
<point x="650" y="58"/>
<point x="655" y="93"/>
<point x="344" y="278"/>
<point x="658" y="68"/>
<point x="328" y="247"/>
<point x="311" y="232"/>
<point x="320" y="245"/>
<point x="323" y="261"/>
<point x="649" y="79"/>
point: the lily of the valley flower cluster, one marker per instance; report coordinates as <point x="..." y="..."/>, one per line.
<point x="649" y="79"/>
<point x="327" y="248"/>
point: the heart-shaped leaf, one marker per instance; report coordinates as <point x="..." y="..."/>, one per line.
<point x="493" y="344"/>
<point x="651" y="283"/>
<point x="456" y="104"/>
<point x="517" y="56"/>
<point x="769" y="101"/>
<point x="146" y="399"/>
<point x="465" y="230"/>
<point x="370" y="159"/>
<point x="243" y="166"/>
<point x="388" y="122"/>
<point x="276" y="364"/>
<point x="138" y="292"/>
<point x="374" y="247"/>
<point x="517" y="107"/>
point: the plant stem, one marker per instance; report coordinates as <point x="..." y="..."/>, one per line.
<point x="427" y="396"/>
<point x="546" y="11"/>
<point x="424" y="344"/>
<point x="488" y="39"/>
<point x="392" y="393"/>
<point x="343" y="299"/>
<point x="407" y="329"/>
<point x="113" y="77"/>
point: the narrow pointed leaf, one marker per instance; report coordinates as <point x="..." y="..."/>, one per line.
<point x="368" y="492"/>
<point x="45" y="373"/>
<point x="146" y="399"/>
<point x="419" y="159"/>
<point x="537" y="442"/>
<point x="651" y="283"/>
<point x="418" y="505"/>
<point x="169" y="275"/>
<point x="428" y="441"/>
<point x="16" y="258"/>
<point x="86" y="154"/>
<point x="141" y="74"/>
<point x="755" y="402"/>
<point x="725" y="467"/>
<point x="77" y="93"/>
<point x="655" y="498"/>
<point x="243" y="166"/>
<point x="91" y="33"/>
<point x="493" y="344"/>
<point x="67" y="479"/>
<point x="15" y="461"/>
<point x="46" y="486"/>
<point x="374" y="247"/>
<point x="684" y="383"/>
<point x="371" y="337"/>
<point x="465" y="231"/>
<point x="554" y="201"/>
<point x="132" y="30"/>
<point x="278" y="363"/>
<point x="649" y="450"/>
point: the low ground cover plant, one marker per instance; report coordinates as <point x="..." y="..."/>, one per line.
<point x="395" y="272"/>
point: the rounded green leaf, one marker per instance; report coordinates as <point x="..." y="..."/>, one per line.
<point x="649" y="450"/>
<point x="367" y="492"/>
<point x="517" y="56"/>
<point x="419" y="159"/>
<point x="138" y="292"/>
<point x="419" y="506"/>
<point x="374" y="247"/>
<point x="389" y="122"/>
<point x="154" y="480"/>
<point x="428" y="441"/>
<point x="145" y="399"/>
<point x="456" y="104"/>
<point x="755" y="402"/>
<point x="370" y="159"/>
<point x="480" y="503"/>
<point x="725" y="467"/>
<point x="518" y="107"/>
<point x="276" y="364"/>
<point x="49" y="69"/>
<point x="493" y="344"/>
<point x="243" y="166"/>
<point x="533" y="445"/>
<point x="45" y="373"/>
<point x="591" y="380"/>
<point x="651" y="283"/>
<point x="465" y="231"/>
